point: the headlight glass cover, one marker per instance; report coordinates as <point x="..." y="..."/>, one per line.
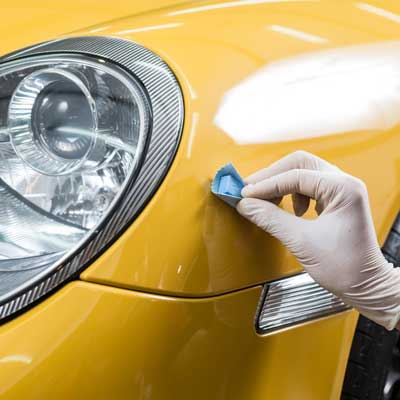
<point x="74" y="134"/>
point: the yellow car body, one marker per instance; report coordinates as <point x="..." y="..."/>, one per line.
<point x="167" y="312"/>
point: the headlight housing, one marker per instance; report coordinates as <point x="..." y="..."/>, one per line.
<point x="88" y="128"/>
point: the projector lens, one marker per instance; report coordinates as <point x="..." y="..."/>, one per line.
<point x="59" y="116"/>
<point x="53" y="121"/>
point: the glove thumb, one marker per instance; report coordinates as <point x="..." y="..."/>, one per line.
<point x="272" y="219"/>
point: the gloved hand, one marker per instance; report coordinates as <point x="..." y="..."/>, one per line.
<point x="339" y="248"/>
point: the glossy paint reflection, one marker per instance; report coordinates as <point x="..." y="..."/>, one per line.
<point x="330" y="92"/>
<point x="229" y="4"/>
<point x="261" y="80"/>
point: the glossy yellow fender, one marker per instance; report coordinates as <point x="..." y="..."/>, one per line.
<point x="167" y="312"/>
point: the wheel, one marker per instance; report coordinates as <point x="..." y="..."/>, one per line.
<point x="373" y="369"/>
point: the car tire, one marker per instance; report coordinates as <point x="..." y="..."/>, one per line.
<point x="373" y="369"/>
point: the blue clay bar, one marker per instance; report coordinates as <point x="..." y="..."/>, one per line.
<point x="227" y="185"/>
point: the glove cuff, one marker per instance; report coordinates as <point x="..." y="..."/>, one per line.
<point x="378" y="297"/>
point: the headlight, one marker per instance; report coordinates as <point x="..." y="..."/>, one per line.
<point x="88" y="128"/>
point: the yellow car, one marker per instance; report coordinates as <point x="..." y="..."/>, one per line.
<point x="121" y="275"/>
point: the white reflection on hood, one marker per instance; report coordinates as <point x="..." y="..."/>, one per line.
<point x="328" y="92"/>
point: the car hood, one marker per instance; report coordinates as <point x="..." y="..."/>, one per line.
<point x="25" y="22"/>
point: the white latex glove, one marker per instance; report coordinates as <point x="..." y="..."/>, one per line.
<point x="339" y="248"/>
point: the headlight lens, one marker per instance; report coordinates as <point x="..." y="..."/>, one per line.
<point x="76" y="130"/>
<point x="73" y="133"/>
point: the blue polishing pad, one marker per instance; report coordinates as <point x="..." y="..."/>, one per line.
<point x="227" y="185"/>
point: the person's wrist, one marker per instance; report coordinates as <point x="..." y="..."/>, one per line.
<point x="377" y="297"/>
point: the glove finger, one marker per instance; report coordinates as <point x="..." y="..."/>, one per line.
<point x="296" y="160"/>
<point x="300" y="203"/>
<point x="313" y="184"/>
<point x="282" y="225"/>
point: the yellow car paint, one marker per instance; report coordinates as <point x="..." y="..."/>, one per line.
<point x="187" y="338"/>
<point x="188" y="242"/>
<point x="96" y="342"/>
<point x="28" y="22"/>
